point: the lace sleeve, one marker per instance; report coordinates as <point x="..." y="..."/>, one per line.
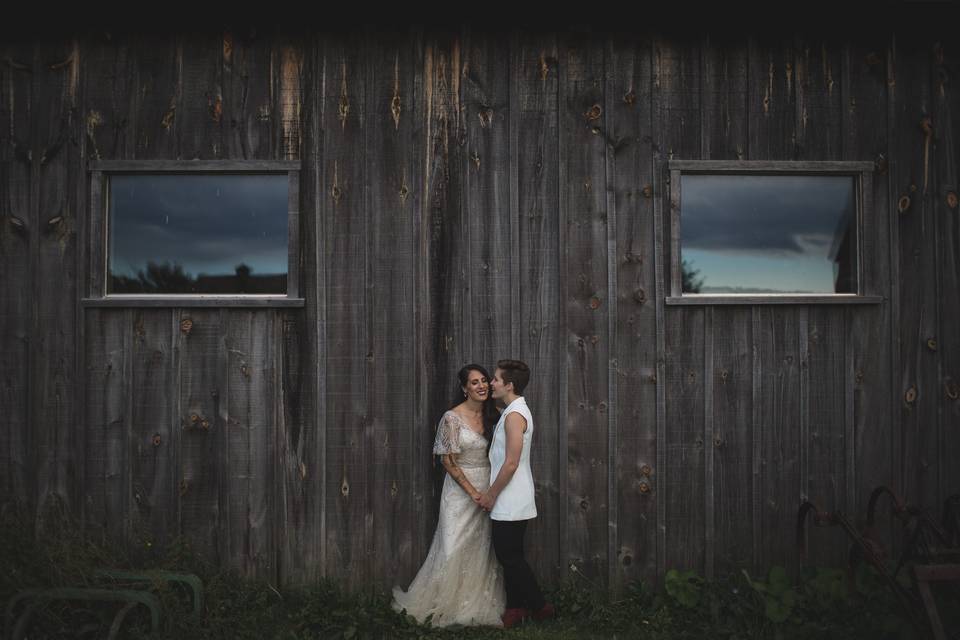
<point x="448" y="435"/>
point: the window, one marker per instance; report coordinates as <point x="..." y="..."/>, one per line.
<point x="767" y="232"/>
<point x="194" y="233"/>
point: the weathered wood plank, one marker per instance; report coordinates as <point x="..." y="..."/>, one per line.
<point x="732" y="443"/>
<point x="248" y="108"/>
<point x="912" y="155"/>
<point x="771" y="133"/>
<point x="391" y="264"/>
<point x="441" y="285"/>
<point x="17" y="479"/>
<point x="202" y="422"/>
<point x="864" y="126"/>
<point x="349" y="437"/>
<point x="682" y="484"/>
<point x="109" y="115"/>
<point x="106" y="482"/>
<point x="818" y="89"/>
<point x="946" y="181"/>
<point x="300" y="430"/>
<point x="199" y="110"/>
<point x="421" y="432"/>
<point x="723" y="116"/>
<point x="156" y="97"/>
<point x="490" y="270"/>
<point x="154" y="427"/>
<point x="55" y="200"/>
<point x="534" y="103"/>
<point x="772" y="100"/>
<point x="288" y="94"/>
<point x="779" y="359"/>
<point x="584" y="267"/>
<point x="247" y="490"/>
<point x="631" y="174"/>
<point x="825" y="474"/>
<point x="728" y="378"/>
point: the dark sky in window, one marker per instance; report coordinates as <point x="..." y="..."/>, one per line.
<point x="765" y="233"/>
<point x="206" y="223"/>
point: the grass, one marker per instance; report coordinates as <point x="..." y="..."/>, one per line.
<point x="822" y="603"/>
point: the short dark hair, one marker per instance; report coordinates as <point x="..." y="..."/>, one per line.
<point x="515" y="371"/>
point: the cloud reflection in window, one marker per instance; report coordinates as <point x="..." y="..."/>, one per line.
<point x="768" y="233"/>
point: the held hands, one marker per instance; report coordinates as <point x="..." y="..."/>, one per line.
<point x="485" y="501"/>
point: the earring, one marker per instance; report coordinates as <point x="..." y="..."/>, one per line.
<point x="464" y="394"/>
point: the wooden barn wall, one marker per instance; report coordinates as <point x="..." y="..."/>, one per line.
<point x="468" y="196"/>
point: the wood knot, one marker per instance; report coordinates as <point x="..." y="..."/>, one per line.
<point x="184" y="487"/>
<point x="911" y="395"/>
<point x="594" y="303"/>
<point x="227" y="46"/>
<point x="646" y="470"/>
<point x="644" y="487"/>
<point x="952" y="390"/>
<point x="903" y="204"/>
<point x="952" y="199"/>
<point x="156" y="440"/>
<point x="872" y="59"/>
<point x="54" y="222"/>
<point x="932" y="344"/>
<point x="186" y="326"/>
<point x="167" y="120"/>
<point x="205" y="424"/>
<point x="584" y="505"/>
<point x="395" y="110"/>
<point x="593" y="113"/>
<point x="639" y="296"/>
<point x="18" y="225"/>
<point x="345" y="488"/>
<point x="647" y="191"/>
<point x="630" y="97"/>
<point x="302" y="468"/>
<point x="486" y="117"/>
<point x="394" y="489"/>
<point x="215" y="106"/>
<point x="244" y="370"/>
<point x="404" y="192"/>
<point x="881" y="164"/>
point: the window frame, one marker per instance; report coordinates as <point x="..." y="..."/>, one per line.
<point x="861" y="171"/>
<point x="97" y="264"/>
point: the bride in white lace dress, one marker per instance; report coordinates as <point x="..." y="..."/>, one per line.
<point x="461" y="581"/>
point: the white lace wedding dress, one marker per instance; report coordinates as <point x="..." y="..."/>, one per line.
<point x="461" y="581"/>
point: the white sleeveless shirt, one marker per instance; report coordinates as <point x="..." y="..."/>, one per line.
<point x="516" y="501"/>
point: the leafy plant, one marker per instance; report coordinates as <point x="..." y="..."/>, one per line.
<point x="684" y="587"/>
<point x="779" y="597"/>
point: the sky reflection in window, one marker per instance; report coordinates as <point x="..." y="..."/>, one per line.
<point x="198" y="233"/>
<point x="768" y="234"/>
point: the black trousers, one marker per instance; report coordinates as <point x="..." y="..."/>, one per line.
<point x="522" y="588"/>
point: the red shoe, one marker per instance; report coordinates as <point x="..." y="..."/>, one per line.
<point x="513" y="617"/>
<point x="547" y="611"/>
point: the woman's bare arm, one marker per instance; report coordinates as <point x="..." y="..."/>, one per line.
<point x="450" y="464"/>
